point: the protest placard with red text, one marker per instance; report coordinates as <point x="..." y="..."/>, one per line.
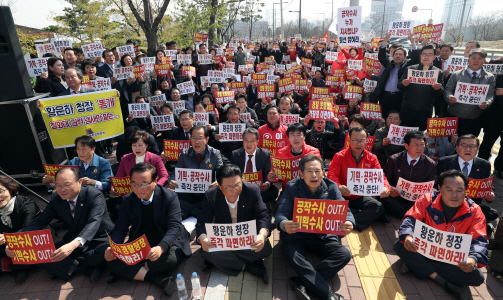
<point x="440" y="127"/>
<point x="320" y="216"/>
<point x="31" y="247"/>
<point x="479" y="188"/>
<point x="121" y="185"/>
<point x="131" y="253"/>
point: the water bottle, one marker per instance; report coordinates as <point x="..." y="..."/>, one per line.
<point x="196" y="286"/>
<point x="180" y="284"/>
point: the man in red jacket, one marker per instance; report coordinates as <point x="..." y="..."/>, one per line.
<point x="364" y="208"/>
<point x="296" y="135"/>
<point x="272" y="134"/>
<point x="450" y="211"/>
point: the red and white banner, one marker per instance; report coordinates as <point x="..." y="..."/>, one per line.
<point x="192" y="180"/>
<point x="201" y="119"/>
<point x="440" y="127"/>
<point x="400" y="28"/>
<point x="353" y="92"/>
<point x="163" y="122"/>
<point x="479" y="188"/>
<point x="473" y="94"/>
<point x="287" y="119"/>
<point x="428" y="77"/>
<point x="139" y="110"/>
<point x="121" y="185"/>
<point x="131" y="253"/>
<point x="231" y="132"/>
<point x="266" y="90"/>
<point x="32" y="247"/>
<point x="230" y="237"/>
<point x="371" y="111"/>
<point x="172" y="149"/>
<point x="222" y="97"/>
<point x="412" y="191"/>
<point x="397" y="133"/>
<point x="320" y="216"/>
<point x="365" y="182"/>
<point x="253" y="178"/>
<point x="321" y="110"/>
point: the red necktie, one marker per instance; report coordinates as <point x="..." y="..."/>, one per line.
<point x="199" y="158"/>
<point x="443" y="64"/>
<point x="75" y="92"/>
<point x="187" y="136"/>
<point x="412" y="162"/>
<point x="249" y="165"/>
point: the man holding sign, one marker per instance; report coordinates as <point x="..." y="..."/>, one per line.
<point x="83" y="209"/>
<point x="365" y="209"/>
<point x="474" y="74"/>
<point x="408" y="166"/>
<point x="449" y="211"/>
<point x="312" y="184"/>
<point x="153" y="211"/>
<point x="235" y="201"/>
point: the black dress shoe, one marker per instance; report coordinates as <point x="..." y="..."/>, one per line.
<point x="300" y="290"/>
<point x="334" y="296"/>
<point x="459" y="292"/>
<point x="258" y="269"/>
<point x="167" y="284"/>
<point x="95" y="274"/>
<point x="206" y="265"/>
<point x="112" y="277"/>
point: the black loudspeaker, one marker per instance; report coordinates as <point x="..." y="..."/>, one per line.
<point x="14" y="79"/>
<point x="25" y="142"/>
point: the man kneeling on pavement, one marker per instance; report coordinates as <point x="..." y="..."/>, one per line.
<point x="448" y="209"/>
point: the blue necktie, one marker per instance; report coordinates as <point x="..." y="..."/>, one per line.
<point x="465" y="168"/>
<point x="72" y="208"/>
<point x="474" y="76"/>
<point x="145" y="202"/>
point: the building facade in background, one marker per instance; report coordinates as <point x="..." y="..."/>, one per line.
<point x="453" y="10"/>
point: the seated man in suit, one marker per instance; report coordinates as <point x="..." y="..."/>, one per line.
<point x="252" y="158"/>
<point x="154" y="211"/>
<point x="446" y="210"/>
<point x="84" y="211"/>
<point x="235" y="201"/>
<point x="411" y="165"/>
<point x="198" y="156"/>
<point x="181" y="133"/>
<point x="312" y="184"/>
<point x="94" y="170"/>
<point x="474" y="167"/>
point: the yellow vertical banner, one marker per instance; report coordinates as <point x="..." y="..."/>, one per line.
<point x="95" y="114"/>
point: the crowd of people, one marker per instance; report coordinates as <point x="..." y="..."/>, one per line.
<point x="89" y="207"/>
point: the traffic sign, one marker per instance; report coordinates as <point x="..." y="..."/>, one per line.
<point x="414" y="9"/>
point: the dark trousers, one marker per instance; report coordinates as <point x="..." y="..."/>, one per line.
<point x="397" y="206"/>
<point x="390" y="101"/>
<point x="414" y="118"/>
<point x="271" y="194"/>
<point x="335" y="256"/>
<point x="490" y="213"/>
<point x="467" y="126"/>
<point x="423" y="267"/>
<point x="233" y="262"/>
<point x="365" y="210"/>
<point x="490" y="137"/>
<point x="168" y="261"/>
<point x="190" y="204"/>
<point x="92" y="257"/>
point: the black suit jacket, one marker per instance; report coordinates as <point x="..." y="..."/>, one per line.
<point x="250" y="207"/>
<point x="167" y="217"/>
<point x="91" y="219"/>
<point x="262" y="160"/>
<point x="481" y="168"/>
<point x="24" y="212"/>
<point x="105" y="71"/>
<point x="52" y="87"/>
<point x="83" y="89"/>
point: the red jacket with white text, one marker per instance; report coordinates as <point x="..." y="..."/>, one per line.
<point x="286" y="152"/>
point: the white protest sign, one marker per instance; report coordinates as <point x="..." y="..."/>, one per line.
<point x="93" y="50"/>
<point x="102" y="84"/>
<point x="163" y="123"/>
<point x="372" y="34"/>
<point x="228" y="72"/>
<point x="331" y="56"/>
<point x="231" y="132"/>
<point x="428" y="77"/>
<point x="443" y="246"/>
<point x="216" y="76"/>
<point x="413" y="190"/>
<point x="201" y="119"/>
<point x="472" y="94"/>
<point x="369" y="85"/>
<point x="251" y="58"/>
<point x="192" y="180"/>
<point x="397" y="133"/>
<point x="234" y="236"/>
<point x="454" y="64"/>
<point x="37" y="66"/>
<point x="287" y="119"/>
<point x="45" y="48"/>
<point x="128" y="49"/>
<point x="61" y="45"/>
<point x="204" y="81"/>
<point x="280" y="68"/>
<point x="178" y="106"/>
<point x="298" y="37"/>
<point x="245" y="117"/>
<point x="139" y="110"/>
<point x="400" y="28"/>
<point x="495" y="69"/>
<point x="365" y="182"/>
<point x="186" y="87"/>
<point x="220" y="51"/>
<point x="355" y="64"/>
<point x="184" y="59"/>
<point x="170" y="53"/>
<point x="148" y="62"/>
<point x="157" y="100"/>
<point x="349" y="25"/>
<point x="124" y="72"/>
<point x="205" y="59"/>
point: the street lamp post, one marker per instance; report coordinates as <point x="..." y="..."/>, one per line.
<point x="299" y="17"/>
<point x="274" y="17"/>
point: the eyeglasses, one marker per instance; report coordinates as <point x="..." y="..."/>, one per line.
<point x="197" y="138"/>
<point x="465" y="146"/>
<point x="2" y="191"/>
<point x="185" y="119"/>
<point x="140" y="185"/>
<point x="233" y="187"/>
<point x="359" y="142"/>
<point x="175" y="93"/>
<point x="427" y="54"/>
<point x="233" y="114"/>
<point x="65" y="187"/>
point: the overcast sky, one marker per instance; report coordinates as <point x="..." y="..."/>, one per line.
<point x="39" y="13"/>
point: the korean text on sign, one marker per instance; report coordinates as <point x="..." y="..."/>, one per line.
<point x="222" y="97"/>
<point x="157" y="100"/>
<point x="201" y="119"/>
<point x="440" y="127"/>
<point x="443" y="246"/>
<point x="479" y="188"/>
<point x="371" y="111"/>
<point x="235" y="236"/>
<point x="320" y="216"/>
<point x="369" y="85"/>
<point x="51" y="170"/>
<point x="93" y="50"/>
<point x="272" y="145"/>
<point x="37" y="66"/>
<point x="124" y="73"/>
<point x="186" y="87"/>
<point x="101" y="84"/>
<point x="131" y="253"/>
<point x="32" y="247"/>
<point x="265" y="90"/>
<point x="254" y="178"/>
<point x="321" y="110"/>
<point x="139" y="110"/>
<point x="288" y="119"/>
<point x="192" y="180"/>
<point x="319" y="92"/>
<point x="121" y="185"/>
<point x="128" y="49"/>
<point x="353" y="92"/>
<point x="473" y="94"/>
<point x="455" y="64"/>
<point x="428" y="77"/>
<point x="172" y="149"/>
<point x="163" y="123"/>
<point x="286" y="85"/>
<point x="340" y="110"/>
<point x="231" y="132"/>
<point x="413" y="190"/>
<point x="397" y="133"/>
<point x="205" y="59"/>
<point x="286" y="169"/>
<point x="148" y="62"/>
<point x="349" y="25"/>
<point x="400" y="28"/>
<point x="365" y="182"/>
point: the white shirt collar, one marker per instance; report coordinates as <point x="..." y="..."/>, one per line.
<point x="111" y="66"/>
<point x="232" y="205"/>
<point x="478" y="72"/>
<point x="462" y="164"/>
<point x="72" y="91"/>
<point x="254" y="152"/>
<point x="140" y="159"/>
<point x="150" y="199"/>
<point x="409" y="159"/>
<point x="75" y="199"/>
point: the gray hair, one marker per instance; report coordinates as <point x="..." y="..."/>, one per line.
<point x="252" y="131"/>
<point x="478" y="51"/>
<point x="77" y="70"/>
